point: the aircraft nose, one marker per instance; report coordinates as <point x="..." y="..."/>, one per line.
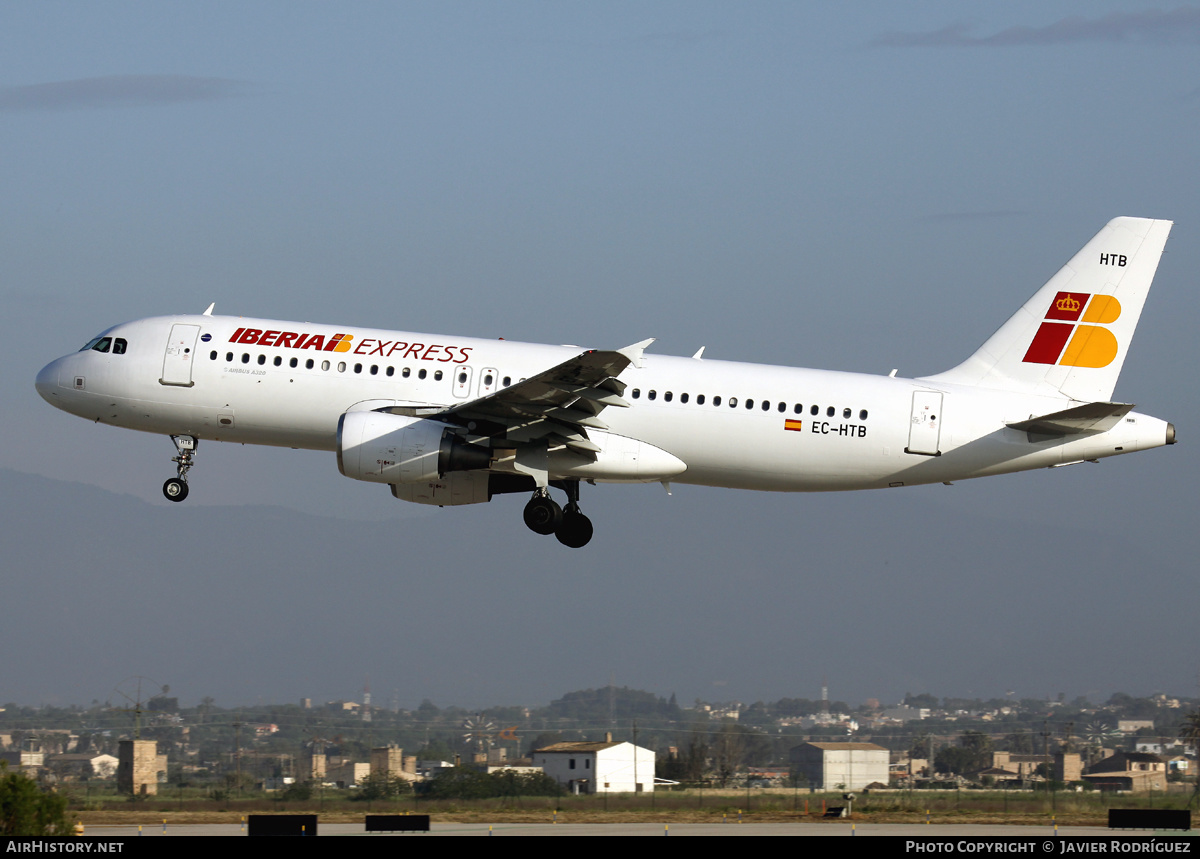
<point x="47" y="380"/>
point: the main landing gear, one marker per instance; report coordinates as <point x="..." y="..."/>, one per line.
<point x="176" y="489"/>
<point x="544" y="516"/>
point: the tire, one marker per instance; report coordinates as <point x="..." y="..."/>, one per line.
<point x="175" y="489"/>
<point x="575" y="532"/>
<point x="542" y="515"/>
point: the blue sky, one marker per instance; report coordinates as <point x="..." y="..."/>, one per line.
<point x="858" y="186"/>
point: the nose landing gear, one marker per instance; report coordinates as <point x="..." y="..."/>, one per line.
<point x="176" y="489"/>
<point x="544" y="516"/>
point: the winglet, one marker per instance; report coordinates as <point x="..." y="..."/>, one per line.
<point x="634" y="352"/>
<point x="699" y="353"/>
<point x="210" y="309"/>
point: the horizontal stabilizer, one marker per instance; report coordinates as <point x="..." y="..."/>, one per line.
<point x="1088" y="418"/>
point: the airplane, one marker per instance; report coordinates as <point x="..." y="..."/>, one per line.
<point x="449" y="420"/>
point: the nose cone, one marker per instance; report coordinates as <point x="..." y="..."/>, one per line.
<point x="47" y="382"/>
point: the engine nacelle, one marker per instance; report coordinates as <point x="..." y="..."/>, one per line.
<point x="387" y="448"/>
<point x="463" y="487"/>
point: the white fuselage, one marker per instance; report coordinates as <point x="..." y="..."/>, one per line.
<point x="730" y="424"/>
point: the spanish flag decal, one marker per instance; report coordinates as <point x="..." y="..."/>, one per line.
<point x="795" y="426"/>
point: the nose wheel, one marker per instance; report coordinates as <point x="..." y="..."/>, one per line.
<point x="176" y="489"/>
<point x="569" y="526"/>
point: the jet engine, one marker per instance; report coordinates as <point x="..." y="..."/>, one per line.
<point x="386" y="448"/>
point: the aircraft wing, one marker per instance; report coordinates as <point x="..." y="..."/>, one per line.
<point x="558" y="405"/>
<point x="1088" y="418"/>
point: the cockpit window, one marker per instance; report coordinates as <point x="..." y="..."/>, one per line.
<point x="103" y="344"/>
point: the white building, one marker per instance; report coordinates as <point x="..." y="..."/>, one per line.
<point x="841" y="766"/>
<point x="598" y="767"/>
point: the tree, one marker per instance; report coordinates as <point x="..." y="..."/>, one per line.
<point x="728" y="749"/>
<point x="924" y="700"/>
<point x="973" y="753"/>
<point x="1189" y="732"/>
<point x="382" y="786"/>
<point x="25" y="809"/>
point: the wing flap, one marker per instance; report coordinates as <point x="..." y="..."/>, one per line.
<point x="558" y="405"/>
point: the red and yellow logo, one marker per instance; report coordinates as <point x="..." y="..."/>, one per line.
<point x="795" y="426"/>
<point x="1061" y="341"/>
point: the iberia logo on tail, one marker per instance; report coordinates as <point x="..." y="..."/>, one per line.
<point x="1061" y="341"/>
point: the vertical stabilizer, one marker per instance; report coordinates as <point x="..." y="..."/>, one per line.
<point x="1071" y="338"/>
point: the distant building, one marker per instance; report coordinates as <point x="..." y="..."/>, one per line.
<point x="347" y="774"/>
<point x="1136" y="771"/>
<point x="606" y="767"/>
<point x="72" y="767"/>
<point x="140" y="767"/>
<point x="842" y="766"/>
<point x="391" y="761"/>
<point x="26" y="761"/>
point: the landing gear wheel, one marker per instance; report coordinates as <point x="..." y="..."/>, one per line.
<point x="575" y="530"/>
<point x="542" y="515"/>
<point x="175" y="489"/>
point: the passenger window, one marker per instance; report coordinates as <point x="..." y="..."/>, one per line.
<point x="717" y="400"/>
<point x="462" y="378"/>
<point x="798" y="409"/>
<point x="766" y="406"/>
<point x="308" y="365"/>
<point x="374" y="369"/>
<point x="862" y="416"/>
<point x="733" y="402"/>
<point x="815" y="410"/>
<point x="507" y="381"/>
<point x="845" y="413"/>
<point x="652" y="395"/>
<point x="637" y="392"/>
<point x="749" y="404"/>
<point x="783" y="407"/>
<point x="212" y="356"/>
<point x="421" y="374"/>
<point x="358" y="368"/>
<point x="229" y="357"/>
<point x="391" y="371"/>
<point x="487" y="380"/>
<point x="292" y="363"/>
<point x="437" y="376"/>
<point x="405" y="372"/>
<point x="341" y="366"/>
<point x="325" y="365"/>
<point x="699" y="399"/>
<point x="278" y="360"/>
<point x="245" y="357"/>
<point x="262" y="359"/>
<point x="667" y="396"/>
<point x="683" y="398"/>
<point x="829" y="412"/>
